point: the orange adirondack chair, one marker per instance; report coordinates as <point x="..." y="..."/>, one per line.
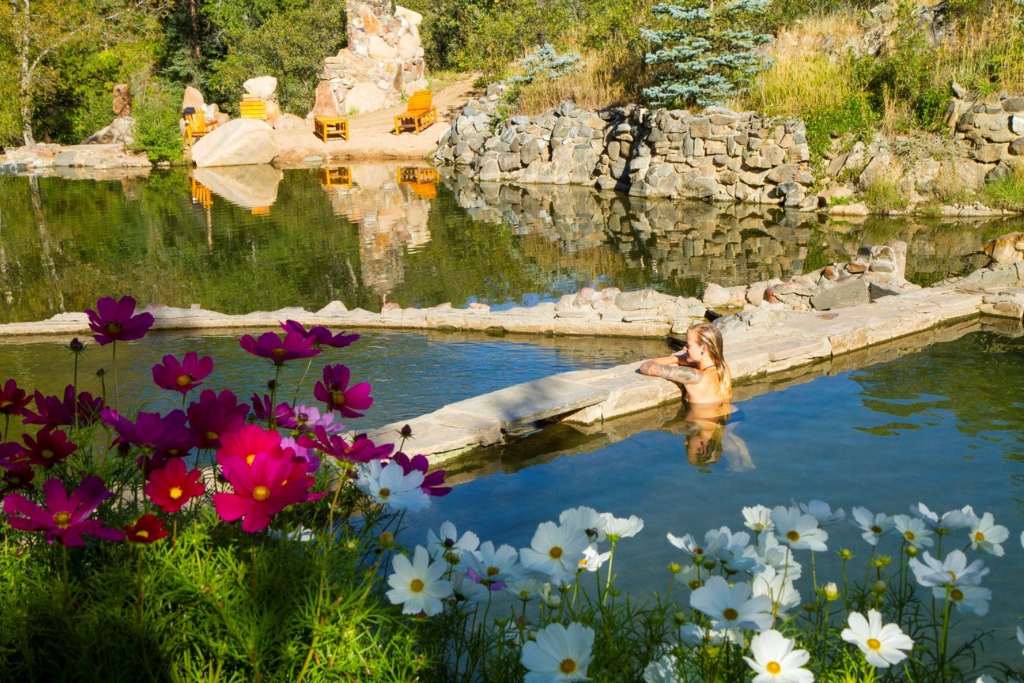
<point x="420" y="113"/>
<point x="195" y="127"/>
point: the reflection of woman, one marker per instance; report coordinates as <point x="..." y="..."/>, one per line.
<point x="710" y="434"/>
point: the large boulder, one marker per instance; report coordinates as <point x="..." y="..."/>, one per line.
<point x="249" y="188"/>
<point x="236" y="143"/>
<point x="192" y="98"/>
<point x="262" y="87"/>
<point x="851" y="292"/>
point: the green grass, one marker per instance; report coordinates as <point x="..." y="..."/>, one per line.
<point x="1005" y="193"/>
<point x="884" y="196"/>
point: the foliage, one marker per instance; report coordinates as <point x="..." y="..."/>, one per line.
<point x="853" y="119"/>
<point x="706" y="52"/>
<point x="156" y="111"/>
<point x="1006" y="192"/>
<point x="884" y="196"/>
<point x="545" y="64"/>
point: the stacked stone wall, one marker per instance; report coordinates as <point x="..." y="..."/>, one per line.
<point x="717" y="155"/>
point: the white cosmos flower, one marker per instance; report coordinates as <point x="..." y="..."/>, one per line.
<point x="951" y="519"/>
<point x="799" y="530"/>
<point x="757" y="518"/>
<point x="1020" y="636"/>
<point x="558" y="654"/>
<point x="547" y="597"/>
<point x="882" y="646"/>
<point x="822" y="512"/>
<point x="593" y="560"/>
<point x="776" y="660"/>
<point x="523" y="587"/>
<point x="988" y="536"/>
<point x="491" y="566"/>
<point x="555" y="550"/>
<point x="973" y="599"/>
<point x="770" y="553"/>
<point x="776" y="587"/>
<point x="873" y="526"/>
<point x="389" y="485"/>
<point x="586" y="518"/>
<point x="418" y="585"/>
<point x="662" y="670"/>
<point x="731" y="548"/>
<point x="695" y="634"/>
<point x="713" y="543"/>
<point x="447" y="542"/>
<point x="621" y="527"/>
<point x="913" y="530"/>
<point x="689" y="575"/>
<point x="954" y="570"/>
<point x="731" y="606"/>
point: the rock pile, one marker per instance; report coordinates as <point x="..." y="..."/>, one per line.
<point x="993" y="128"/>
<point x="97" y="156"/>
<point x="717" y="155"/>
<point x="382" y="63"/>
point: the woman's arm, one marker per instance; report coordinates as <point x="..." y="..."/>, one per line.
<point x="671" y="370"/>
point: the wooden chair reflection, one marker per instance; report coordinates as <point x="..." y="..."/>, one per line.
<point x="201" y="194"/>
<point x="336" y="177"/>
<point x="260" y="211"/>
<point x="421" y="180"/>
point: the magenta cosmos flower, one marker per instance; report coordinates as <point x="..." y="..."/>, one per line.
<point x="264" y="478"/>
<point x="114" y="321"/>
<point x="215" y="415"/>
<point x="361" y="449"/>
<point x="64" y="518"/>
<point x="184" y="375"/>
<point x="49" y="447"/>
<point x="433" y="483"/>
<point x="13" y="399"/>
<point x="168" y="434"/>
<point x="338" y="395"/>
<point x="52" y="411"/>
<point x="174" y="485"/>
<point x="278" y="350"/>
<point x="320" y="335"/>
<point x="308" y="418"/>
<point x="283" y="414"/>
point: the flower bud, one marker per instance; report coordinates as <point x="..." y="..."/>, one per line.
<point x="846" y="554"/>
<point x="76" y="345"/>
<point x="674" y="567"/>
<point x="406" y="431"/>
<point x="831" y="591"/>
<point x="680" y="618"/>
<point x="912" y="551"/>
<point x="386" y="539"/>
<point x="452" y="557"/>
<point x="879" y="587"/>
<point x="271" y="385"/>
<point x="101" y="372"/>
<point x="881" y="562"/>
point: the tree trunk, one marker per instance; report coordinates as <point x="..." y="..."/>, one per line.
<point x="193" y="13"/>
<point x="24" y="71"/>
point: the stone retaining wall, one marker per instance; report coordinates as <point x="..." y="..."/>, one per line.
<point x="994" y="130"/>
<point x="718" y="155"/>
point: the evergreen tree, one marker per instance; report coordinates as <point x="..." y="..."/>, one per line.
<point x="707" y="52"/>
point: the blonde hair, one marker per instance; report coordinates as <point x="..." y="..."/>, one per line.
<point x="710" y="338"/>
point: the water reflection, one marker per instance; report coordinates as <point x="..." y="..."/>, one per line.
<point x="256" y="238"/>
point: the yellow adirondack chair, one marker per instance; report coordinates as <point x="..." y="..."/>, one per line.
<point x="326" y="127"/>
<point x="195" y="127"/>
<point x="253" y="108"/>
<point x="420" y="113"/>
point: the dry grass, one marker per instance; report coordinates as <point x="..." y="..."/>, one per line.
<point x="602" y="80"/>
<point x="986" y="52"/>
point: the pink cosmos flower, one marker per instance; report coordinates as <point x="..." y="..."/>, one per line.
<point x="49" y="447"/>
<point x="168" y="434"/>
<point x="17" y="475"/>
<point x="184" y="375"/>
<point x="261" y="411"/>
<point x="116" y="321"/>
<point x="147" y="529"/>
<point x="173" y="485"/>
<point x="65" y="518"/>
<point x="248" y="442"/>
<point x="302" y="454"/>
<point x="10" y="453"/>
<point x="307" y="418"/>
<point x="433" y="483"/>
<point x="262" y="489"/>
<point x="13" y="399"/>
<point x="278" y="350"/>
<point x="320" y="335"/>
<point x="361" y="449"/>
<point x="52" y="411"/>
<point x="215" y="415"/>
<point x="338" y="395"/>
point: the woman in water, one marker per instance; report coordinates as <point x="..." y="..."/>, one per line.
<point x="700" y="368"/>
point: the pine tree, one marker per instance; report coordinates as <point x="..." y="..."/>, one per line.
<point x="709" y="53"/>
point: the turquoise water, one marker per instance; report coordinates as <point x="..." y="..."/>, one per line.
<point x="944" y="426"/>
<point x="256" y="238"/>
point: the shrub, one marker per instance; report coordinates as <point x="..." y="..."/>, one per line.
<point x="705" y="53"/>
<point x="156" y="108"/>
<point x="853" y="119"/>
<point x="1006" y="192"/>
<point x="884" y="196"/>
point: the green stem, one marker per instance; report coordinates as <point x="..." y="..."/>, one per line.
<point x="608" y="583"/>
<point x="65" y="575"/>
<point x="298" y="387"/>
<point x="74" y="389"/>
<point x="944" y="641"/>
<point x="273" y="398"/>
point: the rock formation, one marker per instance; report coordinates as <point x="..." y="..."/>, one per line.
<point x="382" y="63"/>
<point x="235" y="143"/>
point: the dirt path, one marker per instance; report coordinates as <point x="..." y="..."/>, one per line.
<point x="371" y="136"/>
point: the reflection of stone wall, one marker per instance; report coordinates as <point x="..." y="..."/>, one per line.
<point x="391" y="218"/>
<point x="730" y="244"/>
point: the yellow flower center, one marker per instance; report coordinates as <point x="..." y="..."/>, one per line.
<point x="416" y="586"/>
<point x="555" y="552"/>
<point x="874" y="644"/>
<point x="62" y="519"/>
<point x="6" y="403"/>
<point x="260" y="493"/>
<point x="142" y="533"/>
<point x="979" y="537"/>
<point x="773" y="668"/>
<point x="385" y="492"/>
<point x="183" y="380"/>
<point x="113" y="328"/>
<point x="46" y="454"/>
<point x="793" y="535"/>
<point x="567" y="666"/>
<point x="698" y="551"/>
<point x="909" y="535"/>
<point x="249" y="458"/>
<point x="277" y="353"/>
<point x="175" y="493"/>
<point x="730" y="614"/>
<point x="212" y="436"/>
<point x="493" y="571"/>
<point x="956" y="594"/>
<point x="338" y="398"/>
<point x="876" y="529"/>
